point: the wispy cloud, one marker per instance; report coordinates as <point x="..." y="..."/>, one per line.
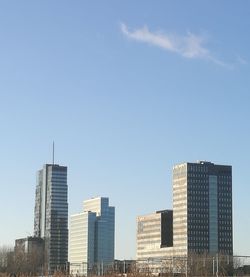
<point x="189" y="46"/>
<point x="241" y="60"/>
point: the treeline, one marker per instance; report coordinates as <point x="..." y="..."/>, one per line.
<point x="19" y="262"/>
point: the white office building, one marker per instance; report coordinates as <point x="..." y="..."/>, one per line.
<point x="154" y="235"/>
<point x="91" y="237"/>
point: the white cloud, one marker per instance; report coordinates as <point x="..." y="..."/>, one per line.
<point x="190" y="46"/>
<point x="242" y="60"/>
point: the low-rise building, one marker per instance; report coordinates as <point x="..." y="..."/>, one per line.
<point x="29" y="253"/>
<point x="155" y="241"/>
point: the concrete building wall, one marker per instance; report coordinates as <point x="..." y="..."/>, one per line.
<point x="81" y="242"/>
<point x="180" y="210"/>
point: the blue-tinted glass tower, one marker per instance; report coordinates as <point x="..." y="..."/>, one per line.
<point x="51" y="215"/>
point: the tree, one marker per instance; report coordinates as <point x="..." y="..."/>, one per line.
<point x="6" y="258"/>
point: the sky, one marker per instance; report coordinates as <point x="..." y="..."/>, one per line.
<point x="126" y="89"/>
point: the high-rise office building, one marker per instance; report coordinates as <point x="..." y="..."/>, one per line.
<point x="104" y="228"/>
<point x="51" y="215"/>
<point x="202" y="208"/>
<point x="91" y="236"/>
<point x="82" y="243"/>
<point x="202" y="215"/>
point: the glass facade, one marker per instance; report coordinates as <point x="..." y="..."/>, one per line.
<point x="202" y="214"/>
<point x="51" y="215"/>
<point x="92" y="235"/>
<point x="201" y="221"/>
<point x="213" y="214"/>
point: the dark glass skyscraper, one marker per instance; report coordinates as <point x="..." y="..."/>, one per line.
<point x="51" y="215"/>
<point x="202" y="208"/>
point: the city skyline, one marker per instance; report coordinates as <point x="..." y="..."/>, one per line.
<point x="126" y="90"/>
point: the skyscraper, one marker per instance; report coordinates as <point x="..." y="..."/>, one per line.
<point x="51" y="215"/>
<point x="104" y="228"/>
<point x="202" y="208"/>
<point x="92" y="233"/>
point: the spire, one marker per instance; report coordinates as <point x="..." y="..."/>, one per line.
<point x="53" y="154"/>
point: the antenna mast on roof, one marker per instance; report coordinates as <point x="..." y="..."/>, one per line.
<point x="53" y="154"/>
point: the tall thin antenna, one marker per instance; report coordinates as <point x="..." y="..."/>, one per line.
<point x="53" y="154"/>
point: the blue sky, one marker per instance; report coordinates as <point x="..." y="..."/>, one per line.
<point x="126" y="89"/>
